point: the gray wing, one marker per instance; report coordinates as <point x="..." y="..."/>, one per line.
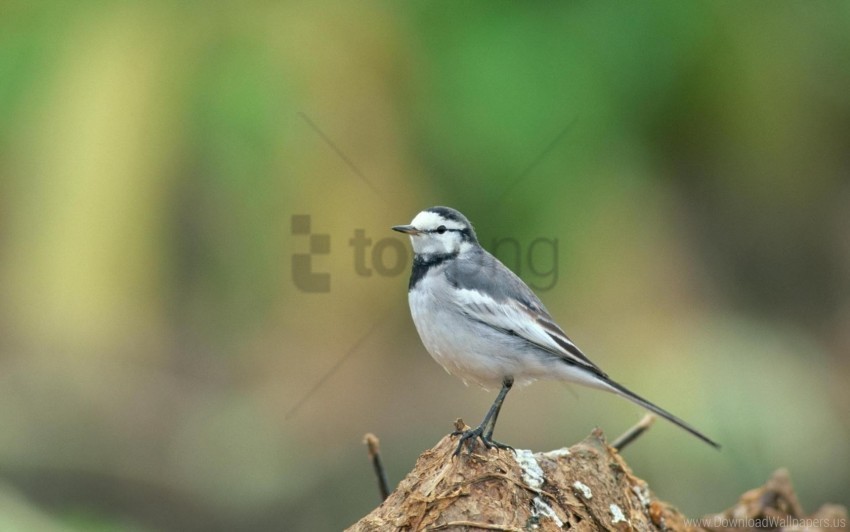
<point x="501" y="300"/>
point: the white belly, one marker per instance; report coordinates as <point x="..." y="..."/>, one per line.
<point x="469" y="350"/>
<point x="477" y="352"/>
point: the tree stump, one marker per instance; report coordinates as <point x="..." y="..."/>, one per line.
<point x="585" y="487"/>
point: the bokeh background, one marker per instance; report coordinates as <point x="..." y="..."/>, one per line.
<point x="672" y="175"/>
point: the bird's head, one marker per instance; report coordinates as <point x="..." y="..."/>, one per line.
<point x="439" y="231"/>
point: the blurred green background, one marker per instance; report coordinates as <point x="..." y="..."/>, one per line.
<point x="687" y="163"/>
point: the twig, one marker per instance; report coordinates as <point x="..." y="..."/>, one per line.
<point x="374" y="447"/>
<point x="633" y="433"/>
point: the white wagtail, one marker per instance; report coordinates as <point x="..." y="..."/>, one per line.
<point x="483" y="324"/>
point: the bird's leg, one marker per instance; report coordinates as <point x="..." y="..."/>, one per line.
<point x="484" y="431"/>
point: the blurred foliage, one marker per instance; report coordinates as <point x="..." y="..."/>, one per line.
<point x="159" y="369"/>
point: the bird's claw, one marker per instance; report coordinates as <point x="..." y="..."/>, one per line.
<point x="469" y="436"/>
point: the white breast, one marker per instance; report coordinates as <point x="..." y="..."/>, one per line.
<point x="469" y="350"/>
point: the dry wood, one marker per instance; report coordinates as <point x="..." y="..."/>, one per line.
<point x="586" y="487"/>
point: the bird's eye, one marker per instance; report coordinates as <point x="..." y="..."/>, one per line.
<point x="442" y="229"/>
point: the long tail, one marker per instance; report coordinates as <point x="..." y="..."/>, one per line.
<point x="628" y="394"/>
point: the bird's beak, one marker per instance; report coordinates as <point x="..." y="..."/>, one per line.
<point x="408" y="229"/>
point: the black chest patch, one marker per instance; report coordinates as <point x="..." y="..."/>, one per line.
<point x="422" y="264"/>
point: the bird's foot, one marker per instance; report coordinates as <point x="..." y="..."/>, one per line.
<point x="469" y="436"/>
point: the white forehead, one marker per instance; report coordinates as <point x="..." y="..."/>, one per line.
<point x="431" y="220"/>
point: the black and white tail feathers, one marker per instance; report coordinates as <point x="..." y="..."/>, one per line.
<point x="635" y="398"/>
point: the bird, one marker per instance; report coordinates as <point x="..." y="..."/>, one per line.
<point x="483" y="324"/>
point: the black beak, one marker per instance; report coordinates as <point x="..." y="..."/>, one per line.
<point x="408" y="229"/>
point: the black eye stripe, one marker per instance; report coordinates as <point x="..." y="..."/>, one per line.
<point x="465" y="233"/>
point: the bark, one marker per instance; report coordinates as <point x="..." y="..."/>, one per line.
<point x="586" y="487"/>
